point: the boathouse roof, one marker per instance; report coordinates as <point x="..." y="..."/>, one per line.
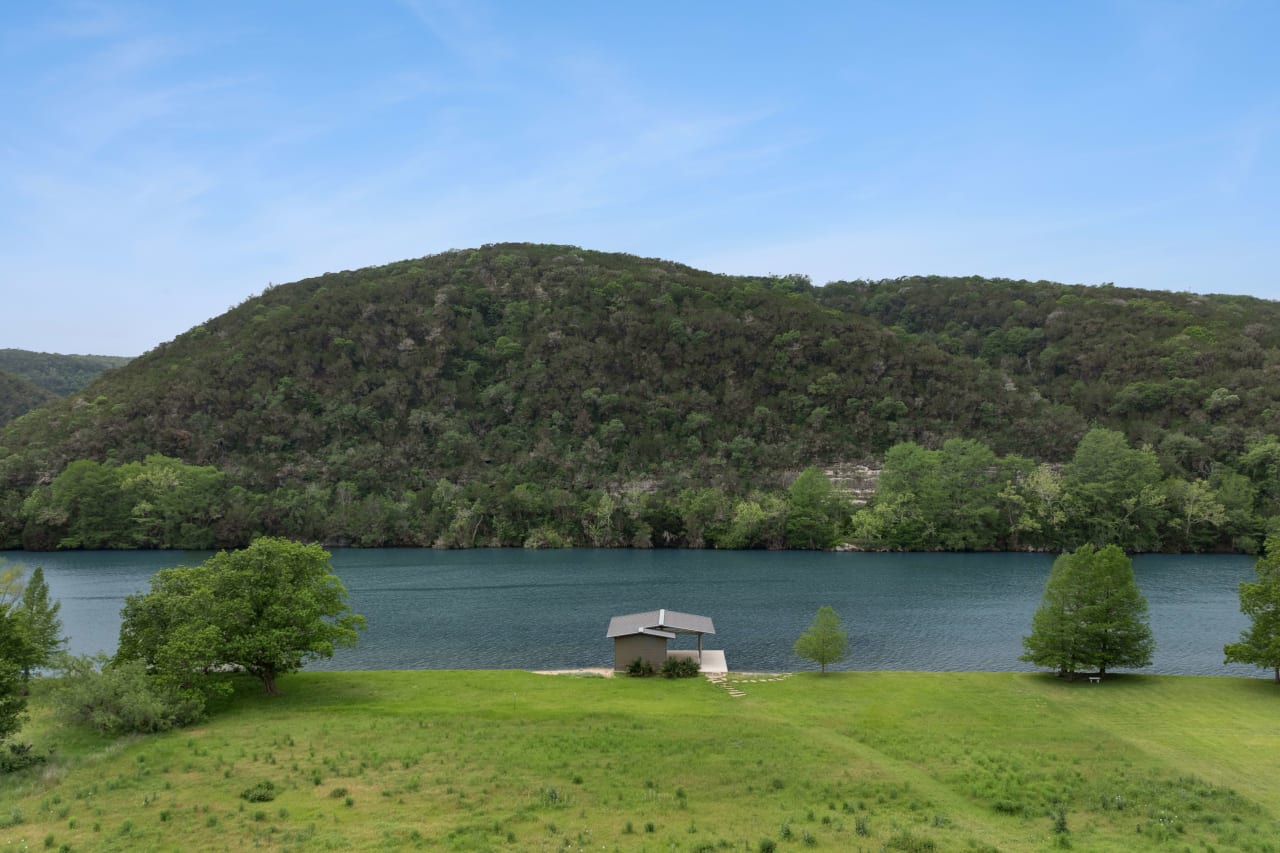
<point x="662" y="623"/>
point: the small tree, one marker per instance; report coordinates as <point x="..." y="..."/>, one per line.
<point x="38" y="623"/>
<point x="265" y="609"/>
<point x="1260" y="601"/>
<point x="826" y="641"/>
<point x="1092" y="615"/>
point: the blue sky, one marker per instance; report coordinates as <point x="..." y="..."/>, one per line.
<point x="161" y="162"/>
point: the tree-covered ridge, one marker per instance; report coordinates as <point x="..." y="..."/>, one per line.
<point x="546" y="395"/>
<point x="573" y="367"/>
<point x="29" y="380"/>
<point x="19" y="396"/>
<point x="59" y="374"/>
<point x="1192" y="376"/>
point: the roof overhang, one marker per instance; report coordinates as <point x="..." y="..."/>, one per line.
<point x="670" y="622"/>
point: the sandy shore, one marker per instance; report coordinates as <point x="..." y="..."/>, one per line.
<point x="601" y="671"/>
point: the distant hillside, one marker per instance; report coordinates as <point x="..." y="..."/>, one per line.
<point x="19" y="396"/>
<point x="1194" y="376"/>
<point x="32" y="379"/>
<point x="59" y="374"/>
<point x="514" y="393"/>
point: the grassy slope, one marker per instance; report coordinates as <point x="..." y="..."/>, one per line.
<point x="516" y="761"/>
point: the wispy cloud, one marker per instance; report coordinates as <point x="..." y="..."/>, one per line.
<point x="463" y="28"/>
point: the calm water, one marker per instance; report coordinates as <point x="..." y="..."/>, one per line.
<point x="549" y="609"/>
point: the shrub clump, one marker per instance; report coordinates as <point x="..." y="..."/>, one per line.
<point x="681" y="668"/>
<point x="19" y="756"/>
<point x="263" y="792"/>
<point x="639" y="668"/>
<point x="122" y="698"/>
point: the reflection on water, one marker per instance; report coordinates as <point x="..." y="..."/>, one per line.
<point x="549" y="609"/>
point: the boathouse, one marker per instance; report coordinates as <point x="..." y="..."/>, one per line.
<point x="645" y="635"/>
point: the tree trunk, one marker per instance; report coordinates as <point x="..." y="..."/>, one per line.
<point x="268" y="677"/>
<point x="1278" y="675"/>
<point x="1102" y="670"/>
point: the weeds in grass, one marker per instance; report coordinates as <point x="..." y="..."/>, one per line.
<point x="908" y="843"/>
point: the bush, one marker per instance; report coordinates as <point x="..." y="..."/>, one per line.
<point x="18" y="756"/>
<point x="639" y="668"/>
<point x="545" y="537"/>
<point x="681" y="668"/>
<point x="122" y="698"/>
<point x="263" y="792"/>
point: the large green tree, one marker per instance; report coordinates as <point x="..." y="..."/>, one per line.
<point x="814" y="512"/>
<point x="265" y="609"/>
<point x="1092" y="615"/>
<point x="826" y="641"/>
<point x="1114" y="493"/>
<point x="1260" y="600"/>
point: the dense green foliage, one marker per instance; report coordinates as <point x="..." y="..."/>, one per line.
<point x="58" y="374"/>
<point x="13" y="697"/>
<point x="680" y="667"/>
<point x="18" y="653"/>
<point x="265" y="609"/>
<point x="1191" y="376"/>
<point x="963" y="497"/>
<point x="1259" y="644"/>
<point x="122" y="697"/>
<point x="1092" y="615"/>
<point x="825" y="641"/>
<point x="547" y="396"/>
<point x="18" y="396"/>
<point x="29" y="380"/>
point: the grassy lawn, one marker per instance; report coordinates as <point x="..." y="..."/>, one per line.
<point x="501" y="760"/>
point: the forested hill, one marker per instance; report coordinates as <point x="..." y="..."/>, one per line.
<point x="516" y="392"/>
<point x="18" y="396"/>
<point x="1193" y="376"/>
<point x="57" y="373"/>
<point x="30" y="379"/>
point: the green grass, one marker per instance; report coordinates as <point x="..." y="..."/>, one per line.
<point x="516" y="761"/>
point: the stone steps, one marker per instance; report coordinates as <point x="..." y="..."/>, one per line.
<point x="721" y="679"/>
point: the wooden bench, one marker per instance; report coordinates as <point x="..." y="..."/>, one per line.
<point x="1095" y="679"/>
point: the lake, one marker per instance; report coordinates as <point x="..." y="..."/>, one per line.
<point x="487" y="609"/>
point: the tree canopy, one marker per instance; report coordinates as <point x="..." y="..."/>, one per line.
<point x="825" y="641"/>
<point x="1092" y="615"/>
<point x="266" y="609"/>
<point x="1259" y="644"/>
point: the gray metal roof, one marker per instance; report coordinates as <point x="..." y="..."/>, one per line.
<point x="660" y="620"/>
